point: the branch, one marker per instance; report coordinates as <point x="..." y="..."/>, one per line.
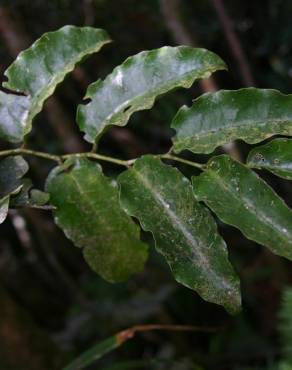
<point x="182" y="160"/>
<point x="234" y="43"/>
<point x="35" y="153"/>
<point x="60" y="158"/>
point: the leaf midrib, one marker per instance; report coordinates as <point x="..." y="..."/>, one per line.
<point x="87" y="198"/>
<point x="194" y="242"/>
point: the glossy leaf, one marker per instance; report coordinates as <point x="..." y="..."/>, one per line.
<point x="4" y="206"/>
<point x="12" y="169"/>
<point x="38" y="70"/>
<point x="241" y="198"/>
<point x="88" y="211"/>
<point x="218" y="118"/>
<point x="276" y="157"/>
<point x="13" y="116"/>
<point x="134" y="85"/>
<point x="185" y="232"/>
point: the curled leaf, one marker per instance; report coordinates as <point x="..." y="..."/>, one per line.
<point x="134" y="85"/>
<point x="218" y="118"/>
<point x="38" y="70"/>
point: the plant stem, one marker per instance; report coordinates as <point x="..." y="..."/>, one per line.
<point x="100" y="157"/>
<point x="182" y="160"/>
<point x="35" y="153"/>
<point x="94" y="147"/>
<point x="120" y="162"/>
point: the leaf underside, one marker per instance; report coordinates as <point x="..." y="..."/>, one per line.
<point x="38" y="70"/>
<point x="184" y="231"/>
<point x="12" y="169"/>
<point x="88" y="211"/>
<point x="218" y="118"/>
<point x="239" y="197"/>
<point x="275" y="156"/>
<point x="134" y="85"/>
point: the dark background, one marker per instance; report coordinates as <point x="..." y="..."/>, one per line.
<point x="52" y="306"/>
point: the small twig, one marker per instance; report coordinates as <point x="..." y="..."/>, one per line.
<point x="182" y="160"/>
<point x="120" y="162"/>
<point x="234" y="43"/>
<point x="100" y="157"/>
<point x="130" y="333"/>
<point x="35" y="153"/>
<point x="94" y="147"/>
<point x="46" y="207"/>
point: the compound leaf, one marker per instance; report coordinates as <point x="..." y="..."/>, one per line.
<point x="184" y="231"/>
<point x="276" y="157"/>
<point x="38" y="70"/>
<point x="241" y="198"/>
<point x="88" y="211"/>
<point x="218" y="118"/>
<point x="134" y="85"/>
<point x="12" y="169"/>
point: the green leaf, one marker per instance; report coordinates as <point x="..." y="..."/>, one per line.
<point x="13" y="115"/>
<point x="276" y="157"/>
<point x="241" y="198"/>
<point x="184" y="231"/>
<point x="38" y="70"/>
<point x="134" y="85"/>
<point x="95" y="353"/>
<point x="22" y="199"/>
<point x="12" y="169"/>
<point x="88" y="211"/>
<point x="218" y="118"/>
<point x="28" y="197"/>
<point x="4" y="206"/>
<point x="283" y="365"/>
<point x="38" y="197"/>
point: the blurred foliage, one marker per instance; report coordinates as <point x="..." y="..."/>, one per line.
<point x="47" y="279"/>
